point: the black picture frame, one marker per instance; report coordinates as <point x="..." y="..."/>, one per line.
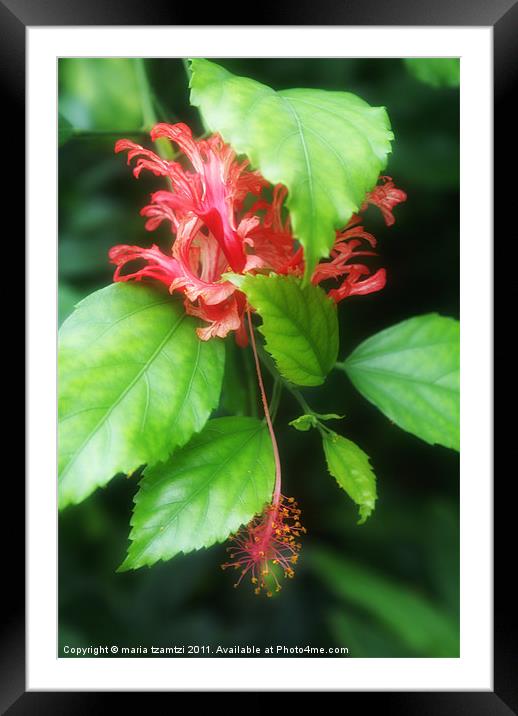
<point x="502" y="15"/>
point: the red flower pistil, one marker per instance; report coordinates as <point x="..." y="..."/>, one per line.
<point x="267" y="548"/>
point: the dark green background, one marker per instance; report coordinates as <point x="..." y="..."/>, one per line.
<point x="387" y="588"/>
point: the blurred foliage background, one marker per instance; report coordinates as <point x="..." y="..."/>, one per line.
<point x="389" y="588"/>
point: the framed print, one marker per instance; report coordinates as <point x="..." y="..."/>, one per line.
<point x="259" y="358"/>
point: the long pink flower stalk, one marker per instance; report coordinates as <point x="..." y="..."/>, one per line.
<point x="267" y="546"/>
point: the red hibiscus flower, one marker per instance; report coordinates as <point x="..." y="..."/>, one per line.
<point x="214" y="234"/>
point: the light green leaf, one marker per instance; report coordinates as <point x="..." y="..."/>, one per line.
<point x="299" y="324"/>
<point x="135" y="382"/>
<point x="204" y="493"/>
<point x="100" y="94"/>
<point x="308" y="421"/>
<point x="435" y="71"/>
<point x="304" y="423"/>
<point x="327" y="148"/>
<point x="329" y="416"/>
<point x="350" y="466"/>
<point x="420" y="624"/>
<point x="411" y="373"/>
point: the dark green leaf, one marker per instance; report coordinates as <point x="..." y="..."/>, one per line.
<point x="351" y="468"/>
<point x="135" y="382"/>
<point x="418" y="622"/>
<point x="411" y="373"/>
<point x="299" y="324"/>
<point x="235" y="398"/>
<point x="65" y="130"/>
<point x="204" y="493"/>
<point x="327" y="148"/>
<point x="364" y="636"/>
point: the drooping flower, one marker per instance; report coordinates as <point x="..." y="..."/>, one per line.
<point x="215" y="234"/>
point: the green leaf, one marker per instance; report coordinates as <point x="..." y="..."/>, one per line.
<point x="135" y="382"/>
<point x="411" y="373"/>
<point x="435" y="71"/>
<point x="204" y="493"/>
<point x="308" y="421"/>
<point x="299" y="324"/>
<point x="98" y="93"/>
<point x="350" y="466"/>
<point x="327" y="148"/>
<point x="420" y="624"/>
<point x="364" y="636"/>
<point x="304" y="423"/>
<point x="65" y="130"/>
<point x="329" y="416"/>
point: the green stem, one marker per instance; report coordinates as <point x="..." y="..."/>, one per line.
<point x="276" y="397"/>
<point x="308" y="410"/>
<point x="270" y="365"/>
<point x="251" y="384"/>
<point x="166" y="115"/>
<point x="148" y="111"/>
<point x="146" y="98"/>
